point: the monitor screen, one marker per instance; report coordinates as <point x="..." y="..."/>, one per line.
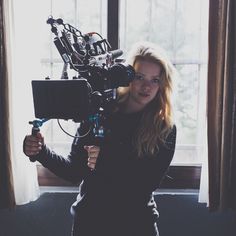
<point x="61" y="99"/>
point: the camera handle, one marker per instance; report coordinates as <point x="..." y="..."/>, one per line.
<point x="98" y="129"/>
<point x="35" y="129"/>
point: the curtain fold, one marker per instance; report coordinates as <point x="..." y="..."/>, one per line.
<point x="23" y="177"/>
<point x="222" y="105"/>
<point x="7" y="198"/>
<point x="202" y="144"/>
<point x="24" y="63"/>
<point x="202" y="150"/>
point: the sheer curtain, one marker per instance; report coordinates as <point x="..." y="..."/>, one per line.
<point x="25" y="63"/>
<point x="202" y="146"/>
<point x="202" y="143"/>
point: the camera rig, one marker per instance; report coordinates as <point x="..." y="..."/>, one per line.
<point x="92" y="91"/>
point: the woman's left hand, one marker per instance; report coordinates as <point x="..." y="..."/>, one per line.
<point x="93" y="152"/>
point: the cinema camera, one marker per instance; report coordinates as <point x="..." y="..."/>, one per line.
<point x="91" y="92"/>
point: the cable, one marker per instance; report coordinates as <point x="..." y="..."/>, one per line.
<point x="73" y="136"/>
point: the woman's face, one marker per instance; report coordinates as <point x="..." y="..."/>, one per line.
<point x="145" y="86"/>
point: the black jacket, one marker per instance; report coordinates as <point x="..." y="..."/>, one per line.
<point x="120" y="189"/>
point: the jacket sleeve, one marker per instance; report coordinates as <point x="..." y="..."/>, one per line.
<point x="139" y="174"/>
<point x="72" y="168"/>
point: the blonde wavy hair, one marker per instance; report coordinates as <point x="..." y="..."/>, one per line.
<point x="156" y="121"/>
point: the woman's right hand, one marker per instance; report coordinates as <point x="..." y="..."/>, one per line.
<point x="33" y="144"/>
<point x="93" y="152"/>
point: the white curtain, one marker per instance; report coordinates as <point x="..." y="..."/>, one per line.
<point x="202" y="150"/>
<point x="24" y="33"/>
<point x="203" y="192"/>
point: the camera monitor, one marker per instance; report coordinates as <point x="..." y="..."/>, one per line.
<point x="61" y="99"/>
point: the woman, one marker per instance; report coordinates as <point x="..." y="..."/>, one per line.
<point x="117" y="178"/>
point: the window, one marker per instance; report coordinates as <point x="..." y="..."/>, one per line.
<point x="87" y="16"/>
<point x="180" y="27"/>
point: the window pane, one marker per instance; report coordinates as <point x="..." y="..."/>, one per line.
<point x="77" y="13"/>
<point x="148" y="22"/>
<point x="85" y="18"/>
<point x="187" y="27"/>
<point x="89" y="15"/>
<point x="185" y="103"/>
<point x="180" y="27"/>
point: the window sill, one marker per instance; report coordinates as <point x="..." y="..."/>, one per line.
<point x="178" y="177"/>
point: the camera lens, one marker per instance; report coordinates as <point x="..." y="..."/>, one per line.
<point x="120" y="75"/>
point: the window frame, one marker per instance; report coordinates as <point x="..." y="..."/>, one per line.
<point x="178" y="176"/>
